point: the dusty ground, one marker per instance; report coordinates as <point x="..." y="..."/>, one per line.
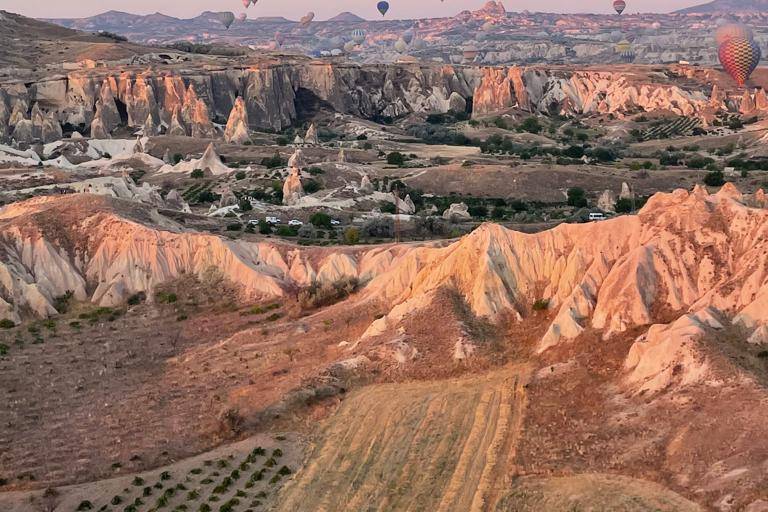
<point x="443" y="445"/>
<point x="239" y="473"/>
<point x="594" y="492"/>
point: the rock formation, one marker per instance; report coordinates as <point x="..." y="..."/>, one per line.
<point x="100" y="126"/>
<point x="366" y="187"/>
<point x="196" y="116"/>
<point x="457" y="212"/>
<point x="150" y="129"/>
<point x="311" y="136"/>
<point x="607" y="201"/>
<point x="176" y="128"/>
<point x="293" y="190"/>
<point x="211" y="162"/>
<point x="297" y="160"/>
<point x="685" y="251"/>
<point x="236" y="131"/>
<point x="626" y="191"/>
<point x="456" y="103"/>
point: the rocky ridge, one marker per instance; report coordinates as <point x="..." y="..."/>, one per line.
<point x="189" y="101"/>
<point x="691" y="253"/>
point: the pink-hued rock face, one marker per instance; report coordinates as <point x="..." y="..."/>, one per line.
<point x="236" y="131"/>
<point x="688" y="252"/>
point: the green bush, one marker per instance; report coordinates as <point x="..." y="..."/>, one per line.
<point x="235" y="226"/>
<point x="197" y="174"/>
<point x="577" y="197"/>
<point x="714" y="179"/>
<point x="624" y="205"/>
<point x="274" y="161"/>
<point x="6" y="323"/>
<point x="351" y="236"/>
<point x="240" y="175"/>
<point x="530" y="125"/>
<point x="396" y="158"/>
<point x="177" y="158"/>
<point x="166" y="297"/>
<point x="541" y="305"/>
<point x="321" y="220"/>
<point x="264" y="227"/>
<point x="3" y="349"/>
<point x="244" y="205"/>
<point x="311" y="186"/>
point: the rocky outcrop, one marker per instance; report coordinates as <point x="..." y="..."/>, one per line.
<point x="271" y="93"/>
<point x="196" y="116"/>
<point x="366" y="187"/>
<point x="607" y="201"/>
<point x="457" y="212"/>
<point x="236" y="131"/>
<point x="293" y="190"/>
<point x="177" y="128"/>
<point x="150" y="129"/>
<point x="311" y="136"/>
<point x="457" y="103"/>
<point x="685" y="251"/>
<point x="580" y="92"/>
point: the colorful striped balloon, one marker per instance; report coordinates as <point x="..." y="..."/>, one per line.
<point x="739" y="58"/>
<point x="619" y="6"/>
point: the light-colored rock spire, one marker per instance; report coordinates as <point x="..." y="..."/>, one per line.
<point x="237" y="131"/>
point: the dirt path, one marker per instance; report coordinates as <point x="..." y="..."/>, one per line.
<point x="444" y="445"/>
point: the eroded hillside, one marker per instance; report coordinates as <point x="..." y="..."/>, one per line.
<point x="618" y="323"/>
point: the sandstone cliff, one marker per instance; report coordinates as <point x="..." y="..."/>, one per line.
<point x="274" y="95"/>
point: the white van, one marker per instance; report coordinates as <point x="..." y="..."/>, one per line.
<point x="594" y="217"/>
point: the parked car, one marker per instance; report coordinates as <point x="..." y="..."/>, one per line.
<point x="594" y="217"/>
<point x="335" y="222"/>
<point x="295" y="223"/>
<point x="273" y="220"/>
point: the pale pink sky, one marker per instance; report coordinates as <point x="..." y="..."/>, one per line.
<point x="294" y="9"/>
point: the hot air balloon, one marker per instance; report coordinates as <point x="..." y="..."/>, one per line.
<point x="487" y="26"/>
<point x="732" y="31"/>
<point x="246" y="3"/>
<point x="307" y="19"/>
<point x="619" y="6"/>
<point x="242" y="17"/>
<point x="349" y="46"/>
<point x="739" y="58"/>
<point x="401" y="45"/>
<point x="226" y="19"/>
<point x="418" y="44"/>
<point x="358" y="35"/>
<point x="625" y="51"/>
<point x="383" y="7"/>
<point x="408" y="36"/>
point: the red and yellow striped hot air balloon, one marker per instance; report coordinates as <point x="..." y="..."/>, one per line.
<point x="619" y="6"/>
<point x="739" y="58"/>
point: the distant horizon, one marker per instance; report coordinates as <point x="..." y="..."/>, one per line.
<point x="400" y="9"/>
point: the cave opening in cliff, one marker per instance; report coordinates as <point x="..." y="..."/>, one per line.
<point x="308" y="105"/>
<point x="470" y="105"/>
